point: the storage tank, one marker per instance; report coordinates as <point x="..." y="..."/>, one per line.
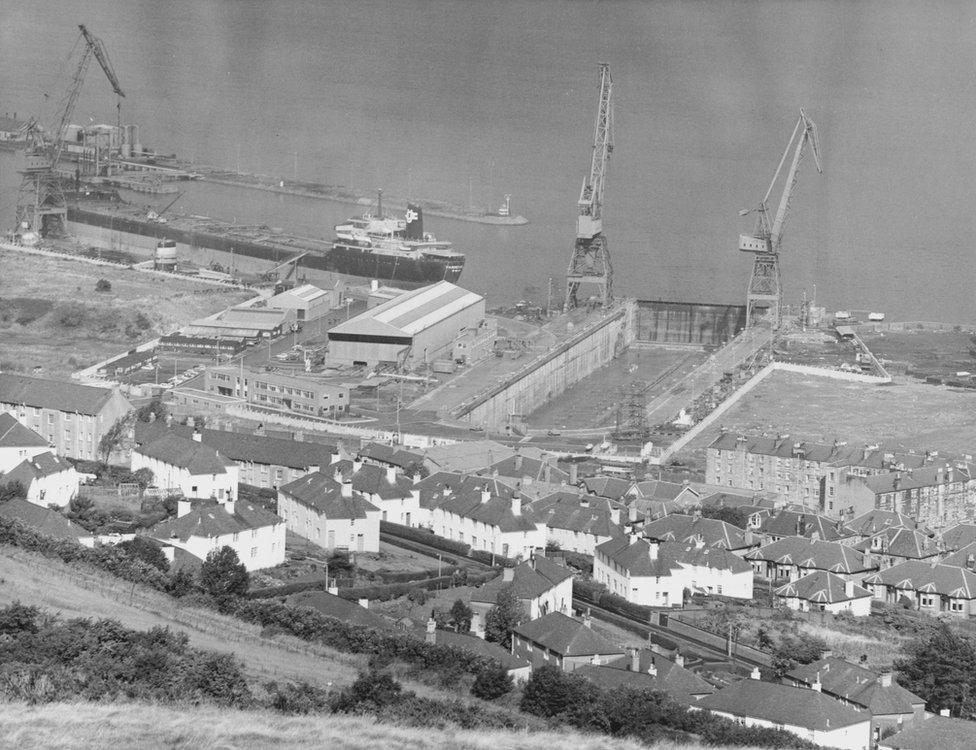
<point x="165" y="258"/>
<point x="132" y="139"/>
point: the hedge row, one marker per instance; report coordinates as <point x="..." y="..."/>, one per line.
<point x="420" y="549"/>
<point x="577" y="560"/>
<point x="312" y="626"/>
<point x="394" y="590"/>
<point x="425" y="536"/>
<point x="597" y="593"/>
<point x="405" y="576"/>
<point x="490" y="558"/>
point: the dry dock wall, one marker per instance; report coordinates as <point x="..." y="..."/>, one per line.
<point x="552" y="373"/>
<point x="688" y="322"/>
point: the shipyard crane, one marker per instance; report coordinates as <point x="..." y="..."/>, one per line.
<point x="590" y="263"/>
<point x="765" y="294"/>
<point x="41" y="206"/>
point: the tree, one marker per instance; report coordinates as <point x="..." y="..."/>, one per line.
<point x="180" y="583"/>
<point x="113" y="437"/>
<point x="789" y="652"/>
<point x="223" y="574"/>
<point x="143" y="477"/>
<point x="152" y="411"/>
<point x="103" y="285"/>
<point x="941" y="668"/>
<point x="461" y="616"/>
<point x="141" y="548"/>
<point x="502" y="619"/>
<point x="372" y="690"/>
<point x="492" y="682"/>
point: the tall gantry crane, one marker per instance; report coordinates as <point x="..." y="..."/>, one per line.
<point x="591" y="256"/>
<point x="41" y="207"/>
<point x="765" y="294"/>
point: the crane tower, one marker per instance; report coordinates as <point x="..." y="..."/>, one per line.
<point x="41" y="207"/>
<point x="591" y="256"/>
<point x="765" y="294"/>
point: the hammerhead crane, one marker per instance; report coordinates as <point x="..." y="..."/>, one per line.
<point x="41" y="207"/>
<point x="765" y="293"/>
<point x="591" y="256"/>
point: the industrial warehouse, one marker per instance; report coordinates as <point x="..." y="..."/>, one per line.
<point x="409" y="331"/>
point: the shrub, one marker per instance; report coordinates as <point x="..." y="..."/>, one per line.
<point x="297" y="698"/>
<point x="223" y="574"/>
<point x="103" y="285"/>
<point x="502" y="619"/>
<point x="492" y="682"/>
<point x="143" y="549"/>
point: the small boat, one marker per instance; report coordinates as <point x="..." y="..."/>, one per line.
<point x="876" y="317"/>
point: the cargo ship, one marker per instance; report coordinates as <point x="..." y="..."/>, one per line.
<point x="396" y="251"/>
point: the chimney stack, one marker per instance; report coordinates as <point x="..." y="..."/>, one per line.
<point x="653" y="547"/>
<point x="754" y="674"/>
<point x="573" y="474"/>
<point x="817" y="686"/>
<point x="347" y="489"/>
<point x="884" y="679"/>
<point x="229" y="506"/>
<point x="508" y="574"/>
<point x="516" y="504"/>
<point x="332" y="587"/>
<point x="197" y="436"/>
<point x="587" y="623"/>
<point x="945" y="712"/>
<point x="679" y="659"/>
<point x="357" y="464"/>
<point x="364" y="603"/>
<point x="485" y="494"/>
<point x="652" y="668"/>
<point x="849" y="589"/>
<point x="391" y="474"/>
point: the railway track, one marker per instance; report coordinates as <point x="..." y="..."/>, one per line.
<point x="646" y="629"/>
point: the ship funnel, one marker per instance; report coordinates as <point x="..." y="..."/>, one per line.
<point x="415" y="222"/>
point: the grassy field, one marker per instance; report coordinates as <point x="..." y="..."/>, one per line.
<point x="71" y="726"/>
<point x="906" y="416"/>
<point x="52" y="318"/>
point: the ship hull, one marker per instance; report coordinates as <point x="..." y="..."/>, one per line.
<point x="390" y="268"/>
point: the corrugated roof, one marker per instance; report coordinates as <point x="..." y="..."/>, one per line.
<point x="565" y="636"/>
<point x="53" y="394"/>
<point x="15" y="435"/>
<point x="305" y="292"/>
<point x="413" y="312"/>
<point x="783" y="704"/>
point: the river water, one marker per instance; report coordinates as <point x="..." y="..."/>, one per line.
<point x="464" y="102"/>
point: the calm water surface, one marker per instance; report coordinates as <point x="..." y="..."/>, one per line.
<point x="464" y="102"/>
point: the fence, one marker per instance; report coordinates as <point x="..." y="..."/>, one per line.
<point x="716" y="641"/>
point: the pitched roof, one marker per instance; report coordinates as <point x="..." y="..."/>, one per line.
<point x="15" y="435"/>
<point x="812" y="553"/>
<point x="53" y="394"/>
<point x="338" y="608"/>
<point x="530" y="580"/>
<point x="926" y="476"/>
<point x="470" y="455"/>
<point x="821" y="587"/>
<point x="842" y="679"/>
<point x="964" y="557"/>
<point x="186" y="453"/>
<point x="940" y="732"/>
<point x="495" y="510"/>
<point x="959" y="536"/>
<point x="573" y="512"/>
<point x="876" y="520"/>
<point x="47" y="521"/>
<point x="476" y="645"/>
<point x="374" y="480"/>
<point x="946" y="580"/>
<point x="782" y="704"/>
<point x="209" y="520"/>
<point x="323" y="494"/>
<point x="908" y="543"/>
<point x="565" y="636"/>
<point x="657" y="489"/>
<point x="679" y="527"/>
<point x="38" y="467"/>
<point x="391" y="454"/>
<point x="246" y="447"/>
<point x="412" y="312"/>
<point x="794" y="522"/>
<point x="518" y="466"/>
<point x="635" y="556"/>
<point x="613" y="488"/>
<point x="681" y="684"/>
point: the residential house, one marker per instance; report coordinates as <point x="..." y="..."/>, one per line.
<point x="942" y="732"/>
<point x="47" y="479"/>
<point x="330" y="513"/>
<point x="262" y="461"/>
<point x="794" y="557"/>
<point x="964" y="557"/>
<point x="528" y="469"/>
<point x="541" y="586"/>
<point x="72" y="418"/>
<point x="807" y="713"/>
<point x="45" y="521"/>
<point x="396" y="495"/>
<point x="958" y="536"/>
<point x="803" y="472"/>
<point x="255" y="534"/>
<point x="936" y="496"/>
<point x="891" y="706"/>
<point x="822" y="591"/>
<point x="18" y="443"/>
<point x="519" y="668"/>
<point x="578" y="523"/>
<point x="646" y="670"/>
<point x="467" y="456"/>
<point x="893" y="546"/>
<point x="654" y="498"/>
<point x="188" y="466"/>
<point x="646" y="571"/>
<point x="331" y="605"/>
<point x="610" y="488"/>
<point x="876" y="520"/>
<point x="561" y="641"/>
<point x="490" y="522"/>
<point x="792" y="521"/>
<point x="934" y="589"/>
<point x="391" y="455"/>
<point x="690" y="529"/>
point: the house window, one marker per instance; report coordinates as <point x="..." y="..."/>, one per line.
<point x="927" y="601"/>
<point x="237" y="536"/>
<point x="254" y="552"/>
<point x="955" y="606"/>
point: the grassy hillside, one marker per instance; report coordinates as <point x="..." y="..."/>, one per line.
<point x="83" y="725"/>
